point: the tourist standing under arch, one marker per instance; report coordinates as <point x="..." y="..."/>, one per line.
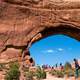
<point x="77" y="68"/>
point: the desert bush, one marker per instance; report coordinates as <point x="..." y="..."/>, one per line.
<point x="60" y="74"/>
<point x="40" y="73"/>
<point x="13" y="73"/>
<point x="29" y="75"/>
<point x="53" y="72"/>
<point x="1" y="67"/>
<point x="57" y="73"/>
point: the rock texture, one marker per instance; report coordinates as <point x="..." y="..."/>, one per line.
<point x="23" y="22"/>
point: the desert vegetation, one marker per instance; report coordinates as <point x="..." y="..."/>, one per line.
<point x="40" y="73"/>
<point x="13" y="73"/>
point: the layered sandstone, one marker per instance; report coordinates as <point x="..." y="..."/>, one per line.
<point x="25" y="21"/>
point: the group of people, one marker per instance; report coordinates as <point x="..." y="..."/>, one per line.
<point x="53" y="67"/>
<point x="61" y="67"/>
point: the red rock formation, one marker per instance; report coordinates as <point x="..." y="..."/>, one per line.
<point x="25" y="21"/>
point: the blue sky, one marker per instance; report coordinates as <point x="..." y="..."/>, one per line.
<point x="55" y="49"/>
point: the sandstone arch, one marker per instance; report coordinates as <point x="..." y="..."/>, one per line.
<point x="22" y="22"/>
<point x="65" y="29"/>
<point x="59" y="28"/>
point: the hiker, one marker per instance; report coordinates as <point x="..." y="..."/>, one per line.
<point x="61" y="67"/>
<point x="77" y="67"/>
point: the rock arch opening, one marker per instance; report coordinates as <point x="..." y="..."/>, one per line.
<point x="43" y="32"/>
<point x="54" y="49"/>
<point x="65" y="30"/>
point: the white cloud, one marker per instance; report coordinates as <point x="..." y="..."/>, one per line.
<point x="53" y="51"/>
<point x="48" y="51"/>
<point x="60" y="49"/>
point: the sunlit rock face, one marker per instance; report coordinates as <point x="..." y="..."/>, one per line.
<point x="22" y="21"/>
<point x="72" y="0"/>
<point x="66" y="0"/>
<point x="10" y="55"/>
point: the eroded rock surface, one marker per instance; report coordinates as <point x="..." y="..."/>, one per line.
<point x="23" y="21"/>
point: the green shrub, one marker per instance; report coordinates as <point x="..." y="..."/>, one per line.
<point x="29" y="75"/>
<point x="43" y="74"/>
<point x="40" y="73"/>
<point x="1" y="67"/>
<point x="26" y="69"/>
<point x="53" y="72"/>
<point x="13" y="73"/>
<point x="60" y="73"/>
<point x="14" y="65"/>
<point x="57" y="73"/>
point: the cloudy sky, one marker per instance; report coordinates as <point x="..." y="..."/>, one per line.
<point x="55" y="49"/>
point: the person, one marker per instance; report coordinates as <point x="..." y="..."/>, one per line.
<point x="56" y="65"/>
<point x="77" y="67"/>
<point x="32" y="62"/>
<point x="61" y="67"/>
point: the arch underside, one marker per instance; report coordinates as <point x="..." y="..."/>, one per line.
<point x="67" y="30"/>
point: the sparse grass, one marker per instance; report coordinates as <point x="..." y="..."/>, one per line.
<point x="57" y="73"/>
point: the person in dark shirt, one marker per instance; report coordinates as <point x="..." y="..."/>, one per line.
<point x="77" y="67"/>
<point x="61" y="66"/>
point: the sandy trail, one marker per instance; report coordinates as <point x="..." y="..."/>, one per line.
<point x="49" y="77"/>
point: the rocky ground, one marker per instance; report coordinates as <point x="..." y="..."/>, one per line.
<point x="2" y="74"/>
<point x="49" y="77"/>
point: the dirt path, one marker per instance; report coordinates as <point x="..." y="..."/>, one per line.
<point x="49" y="77"/>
